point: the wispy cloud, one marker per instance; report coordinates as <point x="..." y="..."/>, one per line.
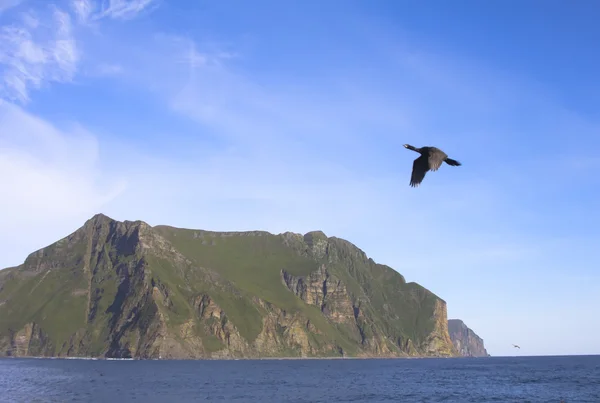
<point x="89" y="10"/>
<point x="83" y="9"/>
<point x="32" y="54"/>
<point x="42" y="47"/>
<point x="207" y="86"/>
<point x="50" y="177"/>
<point x="6" y="4"/>
<point x="127" y="9"/>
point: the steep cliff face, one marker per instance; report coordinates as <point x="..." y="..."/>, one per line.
<point x="466" y="342"/>
<point x="125" y="289"/>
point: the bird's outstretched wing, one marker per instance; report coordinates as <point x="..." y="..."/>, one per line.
<point x="420" y="168"/>
<point x="436" y="157"/>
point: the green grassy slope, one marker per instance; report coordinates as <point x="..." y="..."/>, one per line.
<point x="37" y="292"/>
<point x="253" y="262"/>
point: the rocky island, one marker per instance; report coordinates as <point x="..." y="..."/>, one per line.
<point x="130" y="290"/>
<point x="466" y="342"/>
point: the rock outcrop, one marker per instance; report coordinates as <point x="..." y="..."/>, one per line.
<point x="126" y="289"/>
<point x="466" y="342"/>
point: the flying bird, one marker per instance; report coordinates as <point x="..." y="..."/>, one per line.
<point x="515" y="346"/>
<point x="430" y="160"/>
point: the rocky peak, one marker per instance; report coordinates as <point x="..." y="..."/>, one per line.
<point x="316" y="243"/>
<point x="314" y="236"/>
<point x="99" y="217"/>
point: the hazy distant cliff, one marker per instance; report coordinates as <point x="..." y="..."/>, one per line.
<point x="466" y="342"/>
<point x="126" y="289"/>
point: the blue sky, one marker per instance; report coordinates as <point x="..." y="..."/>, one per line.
<point x="290" y="116"/>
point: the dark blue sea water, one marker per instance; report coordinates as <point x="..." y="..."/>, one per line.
<point x="523" y="379"/>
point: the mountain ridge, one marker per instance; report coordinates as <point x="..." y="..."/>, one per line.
<point x="127" y="289"/>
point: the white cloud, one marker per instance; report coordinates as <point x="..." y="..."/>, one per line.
<point x="51" y="182"/>
<point x="6" y="4"/>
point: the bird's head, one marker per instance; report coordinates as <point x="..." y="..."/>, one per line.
<point x="405" y="145"/>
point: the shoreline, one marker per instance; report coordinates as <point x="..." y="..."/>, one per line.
<point x="229" y="358"/>
<point x="290" y="358"/>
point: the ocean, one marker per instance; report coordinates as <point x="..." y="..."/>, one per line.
<point x="493" y="379"/>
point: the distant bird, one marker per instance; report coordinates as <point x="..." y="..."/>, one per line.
<point x="430" y="160"/>
<point x="515" y="346"/>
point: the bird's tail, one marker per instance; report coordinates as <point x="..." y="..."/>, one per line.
<point x="452" y="162"/>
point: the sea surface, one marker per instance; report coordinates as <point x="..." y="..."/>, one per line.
<point x="494" y="379"/>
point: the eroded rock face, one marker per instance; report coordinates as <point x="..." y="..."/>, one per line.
<point x="331" y="296"/>
<point x="466" y="342"/>
<point x="217" y="324"/>
<point x="323" y="290"/>
<point x="30" y="341"/>
<point x="438" y="343"/>
<point x="126" y="289"/>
